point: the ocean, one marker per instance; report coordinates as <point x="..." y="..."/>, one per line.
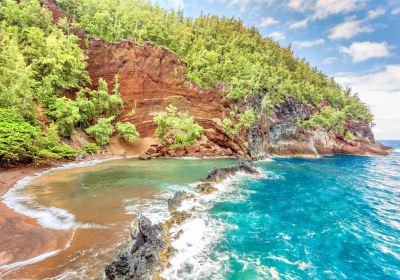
<point x="334" y="217"/>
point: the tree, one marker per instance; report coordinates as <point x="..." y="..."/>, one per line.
<point x="66" y="114"/>
<point x="101" y="131"/>
<point x="15" y="78"/>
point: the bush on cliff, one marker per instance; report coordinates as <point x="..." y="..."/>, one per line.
<point x="328" y="118"/>
<point x="128" y="131"/>
<point x="101" y="131"/>
<point x="177" y="128"/>
<point x="21" y="141"/>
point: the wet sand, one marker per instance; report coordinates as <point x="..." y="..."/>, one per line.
<point x="21" y="237"/>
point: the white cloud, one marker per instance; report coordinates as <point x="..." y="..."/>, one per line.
<point x="297" y="5"/>
<point x="373" y="14"/>
<point x="349" y="29"/>
<point x="324" y="8"/>
<point x="381" y="91"/>
<point x="396" y="11"/>
<point x="352" y="27"/>
<point x="299" y="24"/>
<point x="362" y="51"/>
<point x="277" y="36"/>
<point x="329" y="60"/>
<point x="268" y="21"/>
<point x="308" y="44"/>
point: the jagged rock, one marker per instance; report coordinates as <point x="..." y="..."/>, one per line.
<point x="178" y="217"/>
<point x="175" y="202"/>
<point x="140" y="260"/>
<point x="218" y="174"/>
<point x="206" y="188"/>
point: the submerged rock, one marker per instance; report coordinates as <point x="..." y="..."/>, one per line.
<point x="141" y="259"/>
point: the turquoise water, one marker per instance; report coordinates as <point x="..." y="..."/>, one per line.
<point x="330" y="218"/>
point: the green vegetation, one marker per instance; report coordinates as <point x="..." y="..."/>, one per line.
<point x="177" y="128"/>
<point x="218" y="50"/>
<point x="328" y="118"/>
<point x="128" y="131"/>
<point x="350" y="136"/>
<point x="246" y="120"/>
<point x="101" y="131"/>
<point x="91" y="148"/>
<point x="17" y="137"/>
<point x="21" y="141"/>
<point x="39" y="61"/>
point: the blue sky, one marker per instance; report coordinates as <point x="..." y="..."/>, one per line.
<point x="355" y="41"/>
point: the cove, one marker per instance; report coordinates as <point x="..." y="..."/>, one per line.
<point x="95" y="205"/>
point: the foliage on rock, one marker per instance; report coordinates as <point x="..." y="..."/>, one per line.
<point x="177" y="128"/>
<point x="128" y="131"/>
<point x="101" y="131"/>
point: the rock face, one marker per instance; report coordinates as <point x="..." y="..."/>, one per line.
<point x="286" y="138"/>
<point x="141" y="258"/>
<point x="153" y="77"/>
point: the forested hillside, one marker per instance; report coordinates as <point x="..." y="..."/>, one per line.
<point x="41" y="61"/>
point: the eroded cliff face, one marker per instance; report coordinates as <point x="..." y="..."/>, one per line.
<point x="150" y="79"/>
<point x="153" y="77"/>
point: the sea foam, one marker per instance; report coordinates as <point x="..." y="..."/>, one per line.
<point x="48" y="217"/>
<point x="197" y="235"/>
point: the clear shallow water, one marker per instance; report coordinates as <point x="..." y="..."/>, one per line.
<point x="94" y="206"/>
<point x="330" y="218"/>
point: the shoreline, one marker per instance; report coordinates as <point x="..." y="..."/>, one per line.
<point x="22" y="239"/>
<point x="19" y="231"/>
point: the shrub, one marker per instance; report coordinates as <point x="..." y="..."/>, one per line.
<point x="128" y="131"/>
<point x="178" y="127"/>
<point x="91" y="148"/>
<point x="58" y="152"/>
<point x="350" y="135"/>
<point x="328" y="118"/>
<point x="18" y="138"/>
<point x="101" y="131"/>
<point x="248" y="118"/>
<point x="66" y="114"/>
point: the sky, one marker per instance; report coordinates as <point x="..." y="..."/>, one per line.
<point x="355" y="41"/>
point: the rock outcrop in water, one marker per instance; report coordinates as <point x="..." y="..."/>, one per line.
<point x="146" y="256"/>
<point x="152" y="77"/>
<point x="219" y="174"/>
<point x="142" y="259"/>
